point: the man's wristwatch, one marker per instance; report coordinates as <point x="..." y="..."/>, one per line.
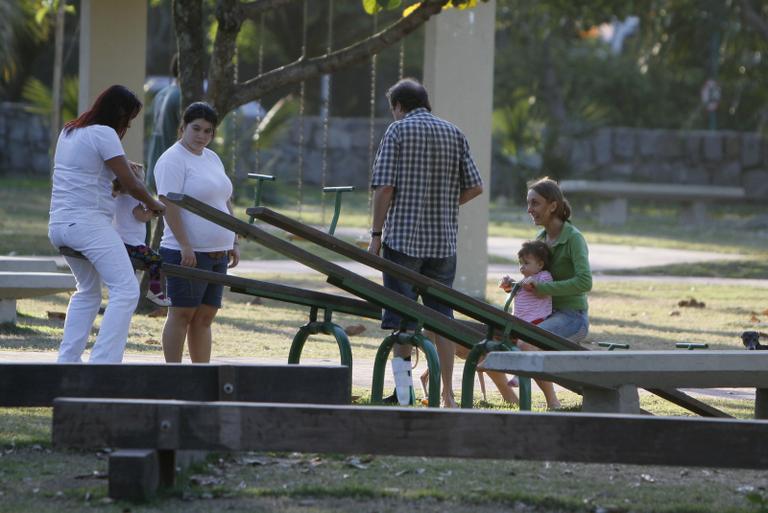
<point x="375" y="234"/>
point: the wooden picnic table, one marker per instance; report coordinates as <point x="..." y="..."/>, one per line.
<point x="609" y="380"/>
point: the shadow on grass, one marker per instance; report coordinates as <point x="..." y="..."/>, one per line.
<point x="623" y="324"/>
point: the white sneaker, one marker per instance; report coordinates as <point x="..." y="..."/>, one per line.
<point x="158" y="298"/>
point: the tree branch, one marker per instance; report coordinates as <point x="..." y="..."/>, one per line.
<point x="753" y="18"/>
<point x="303" y="69"/>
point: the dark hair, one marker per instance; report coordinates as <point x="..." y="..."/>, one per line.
<point x="538" y="249"/>
<point x="410" y="94"/>
<point x="200" y="110"/>
<point x="174" y="68"/>
<point x="115" y="107"/>
<point x="550" y="191"/>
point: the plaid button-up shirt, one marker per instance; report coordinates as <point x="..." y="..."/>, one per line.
<point x="427" y="161"/>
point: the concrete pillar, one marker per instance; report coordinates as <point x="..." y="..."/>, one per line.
<point x="113" y="44"/>
<point x="458" y="73"/>
<point x="7" y="311"/>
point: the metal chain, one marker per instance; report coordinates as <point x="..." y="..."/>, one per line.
<point x="259" y="118"/>
<point x="372" y="126"/>
<point x="326" y="111"/>
<point x="302" y="96"/>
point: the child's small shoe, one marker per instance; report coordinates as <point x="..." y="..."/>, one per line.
<point x="158" y="298"/>
<point x="514" y="382"/>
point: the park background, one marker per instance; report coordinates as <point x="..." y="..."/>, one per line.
<point x="599" y="90"/>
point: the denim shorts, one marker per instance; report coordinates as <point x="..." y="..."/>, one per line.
<point x="186" y="293"/>
<point x="570" y="324"/>
<point x="442" y="270"/>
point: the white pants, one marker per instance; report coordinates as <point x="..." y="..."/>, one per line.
<point x="108" y="262"/>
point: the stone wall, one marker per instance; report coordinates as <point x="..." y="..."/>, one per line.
<point x="685" y="157"/>
<point x="618" y="154"/>
<point x="23" y="141"/>
<point x="348" y="161"/>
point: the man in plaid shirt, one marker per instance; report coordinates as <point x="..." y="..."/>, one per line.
<point x="423" y="171"/>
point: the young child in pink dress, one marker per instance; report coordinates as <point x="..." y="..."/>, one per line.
<point x="534" y="257"/>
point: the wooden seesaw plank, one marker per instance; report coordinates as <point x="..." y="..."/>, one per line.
<point x="462" y="335"/>
<point x="573" y="437"/>
<point x="38" y="384"/>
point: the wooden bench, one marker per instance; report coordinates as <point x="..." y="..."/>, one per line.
<point x="613" y="197"/>
<point x="575" y="437"/>
<point x="609" y="380"/>
<point x="22" y="278"/>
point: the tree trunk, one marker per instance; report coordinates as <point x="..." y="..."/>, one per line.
<point x="190" y="39"/>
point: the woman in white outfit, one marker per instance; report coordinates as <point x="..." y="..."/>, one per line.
<point x="189" y="167"/>
<point x="88" y="157"/>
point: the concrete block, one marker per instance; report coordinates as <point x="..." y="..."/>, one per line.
<point x="27" y="264"/>
<point x="618" y="170"/>
<point x="750" y="150"/>
<point x="728" y="173"/>
<point x="761" y="403"/>
<point x="623" y="399"/>
<point x="692" y="147"/>
<point x="581" y="156"/>
<point x="7" y="311"/>
<point x="694" y="213"/>
<point x="713" y="146"/>
<point x="732" y="142"/>
<point x="624" y="143"/>
<point x="670" y="144"/>
<point x="613" y="212"/>
<point x="648" y="142"/>
<point x="694" y="175"/>
<point x="134" y="474"/>
<point x="755" y="182"/>
<point x="601" y="147"/>
<point x="15" y="285"/>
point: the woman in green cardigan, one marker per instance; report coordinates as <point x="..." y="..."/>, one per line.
<point x="569" y="266"/>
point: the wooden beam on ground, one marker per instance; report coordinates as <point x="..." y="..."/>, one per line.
<point x="573" y="437"/>
<point x="38" y="384"/>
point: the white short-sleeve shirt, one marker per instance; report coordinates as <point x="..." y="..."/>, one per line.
<point x="130" y="229"/>
<point x="202" y="177"/>
<point x="82" y="182"/>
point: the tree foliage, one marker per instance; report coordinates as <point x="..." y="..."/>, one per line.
<point x="226" y="92"/>
<point x="555" y="77"/>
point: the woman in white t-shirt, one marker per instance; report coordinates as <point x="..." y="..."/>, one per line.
<point x="188" y="167"/>
<point x="88" y="157"/>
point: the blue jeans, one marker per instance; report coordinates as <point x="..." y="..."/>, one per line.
<point x="192" y="293"/>
<point x="570" y="324"/>
<point x="442" y="270"/>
